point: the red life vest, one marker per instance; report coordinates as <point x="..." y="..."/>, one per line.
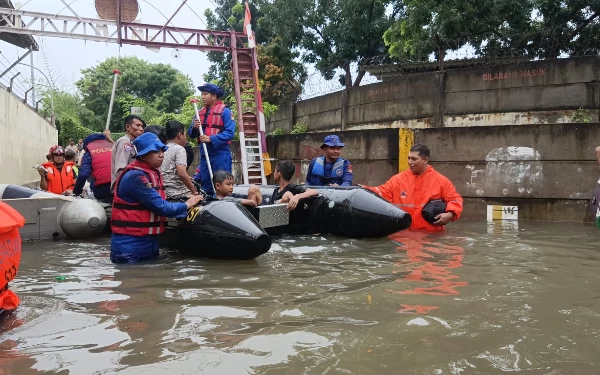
<point x="101" y="153"/>
<point x="133" y="218"/>
<point x="58" y="182"/>
<point x="10" y="254"/>
<point x="213" y="123"/>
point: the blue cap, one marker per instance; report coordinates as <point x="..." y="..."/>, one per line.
<point x="148" y="142"/>
<point x="332" y="141"/>
<point x="211" y="88"/>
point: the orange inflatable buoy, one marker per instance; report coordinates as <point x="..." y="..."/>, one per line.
<point x="10" y="254"/>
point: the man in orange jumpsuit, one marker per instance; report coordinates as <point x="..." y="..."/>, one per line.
<point x="412" y="189"/>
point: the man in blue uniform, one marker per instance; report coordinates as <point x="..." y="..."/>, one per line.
<point x="140" y="207"/>
<point x="95" y="166"/>
<point x="331" y="169"/>
<point x="219" y="128"/>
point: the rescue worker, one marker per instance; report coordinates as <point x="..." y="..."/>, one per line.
<point x="219" y="129"/>
<point x="421" y="187"/>
<point x="95" y="166"/>
<point x="331" y="169"/>
<point x="140" y="207"/>
<point x="122" y="151"/>
<point x="58" y="176"/>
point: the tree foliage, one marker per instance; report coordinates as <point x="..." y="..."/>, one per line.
<point x="535" y="28"/>
<point x="331" y="34"/>
<point x="158" y="86"/>
<point x="280" y="74"/>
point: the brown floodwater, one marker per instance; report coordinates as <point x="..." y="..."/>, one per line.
<point x="479" y="299"/>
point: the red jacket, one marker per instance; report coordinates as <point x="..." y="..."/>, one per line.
<point x="58" y="182"/>
<point x="133" y="218"/>
<point x="101" y="154"/>
<point x="412" y="192"/>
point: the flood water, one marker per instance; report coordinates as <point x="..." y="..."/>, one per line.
<point x="478" y="300"/>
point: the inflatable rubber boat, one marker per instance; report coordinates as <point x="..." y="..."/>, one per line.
<point x="217" y="229"/>
<point x="50" y="215"/>
<point x="343" y="211"/>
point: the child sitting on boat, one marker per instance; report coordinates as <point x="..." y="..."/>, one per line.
<point x="223" y="182"/>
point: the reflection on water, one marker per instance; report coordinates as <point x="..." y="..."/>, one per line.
<point x="479" y="299"/>
<point x="427" y="262"/>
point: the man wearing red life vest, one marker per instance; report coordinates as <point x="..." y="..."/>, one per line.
<point x="414" y="189"/>
<point x="58" y="176"/>
<point x="95" y="165"/>
<point x="219" y="128"/>
<point x="140" y="207"/>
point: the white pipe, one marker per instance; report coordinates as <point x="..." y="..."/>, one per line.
<point x="112" y="98"/>
<point x="194" y="101"/>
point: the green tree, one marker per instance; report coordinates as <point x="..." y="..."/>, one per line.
<point x="160" y="86"/>
<point x="73" y="120"/>
<point x="280" y="74"/>
<point x="68" y="128"/>
<point x="331" y="34"/>
<point x="535" y="28"/>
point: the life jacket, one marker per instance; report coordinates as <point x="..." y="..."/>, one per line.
<point x="101" y="153"/>
<point x="213" y="123"/>
<point x="133" y="218"/>
<point x="318" y="177"/>
<point x="10" y="254"/>
<point x="58" y="182"/>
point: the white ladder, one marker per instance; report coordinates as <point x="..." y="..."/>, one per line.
<point x="252" y="160"/>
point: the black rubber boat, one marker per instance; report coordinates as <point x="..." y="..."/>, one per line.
<point x="343" y="211"/>
<point x="218" y="229"/>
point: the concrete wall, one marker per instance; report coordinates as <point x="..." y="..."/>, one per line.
<point x="25" y="138"/>
<point x="374" y="157"/>
<point x="548" y="91"/>
<point x="548" y="170"/>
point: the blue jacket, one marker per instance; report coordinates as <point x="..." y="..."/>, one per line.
<point x="218" y="143"/>
<point x="85" y="172"/>
<point x="132" y="188"/>
<point x="321" y="173"/>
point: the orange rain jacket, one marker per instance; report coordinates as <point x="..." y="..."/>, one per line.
<point x="412" y="192"/>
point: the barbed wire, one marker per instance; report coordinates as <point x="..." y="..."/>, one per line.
<point x="466" y="52"/>
<point x="317" y="85"/>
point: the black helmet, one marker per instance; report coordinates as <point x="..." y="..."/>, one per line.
<point x="159" y="131"/>
<point x="432" y="209"/>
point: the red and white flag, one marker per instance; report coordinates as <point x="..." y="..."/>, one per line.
<point x="248" y="27"/>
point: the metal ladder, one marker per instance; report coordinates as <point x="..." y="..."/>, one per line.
<point x="248" y="119"/>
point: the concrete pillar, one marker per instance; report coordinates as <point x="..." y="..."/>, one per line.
<point x="406" y="138"/>
<point x="344" y="108"/>
<point x="439" y="99"/>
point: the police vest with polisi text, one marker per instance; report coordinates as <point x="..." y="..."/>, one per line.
<point x="133" y="218"/>
<point x="101" y="154"/>
<point x="213" y="123"/>
<point x="318" y="172"/>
